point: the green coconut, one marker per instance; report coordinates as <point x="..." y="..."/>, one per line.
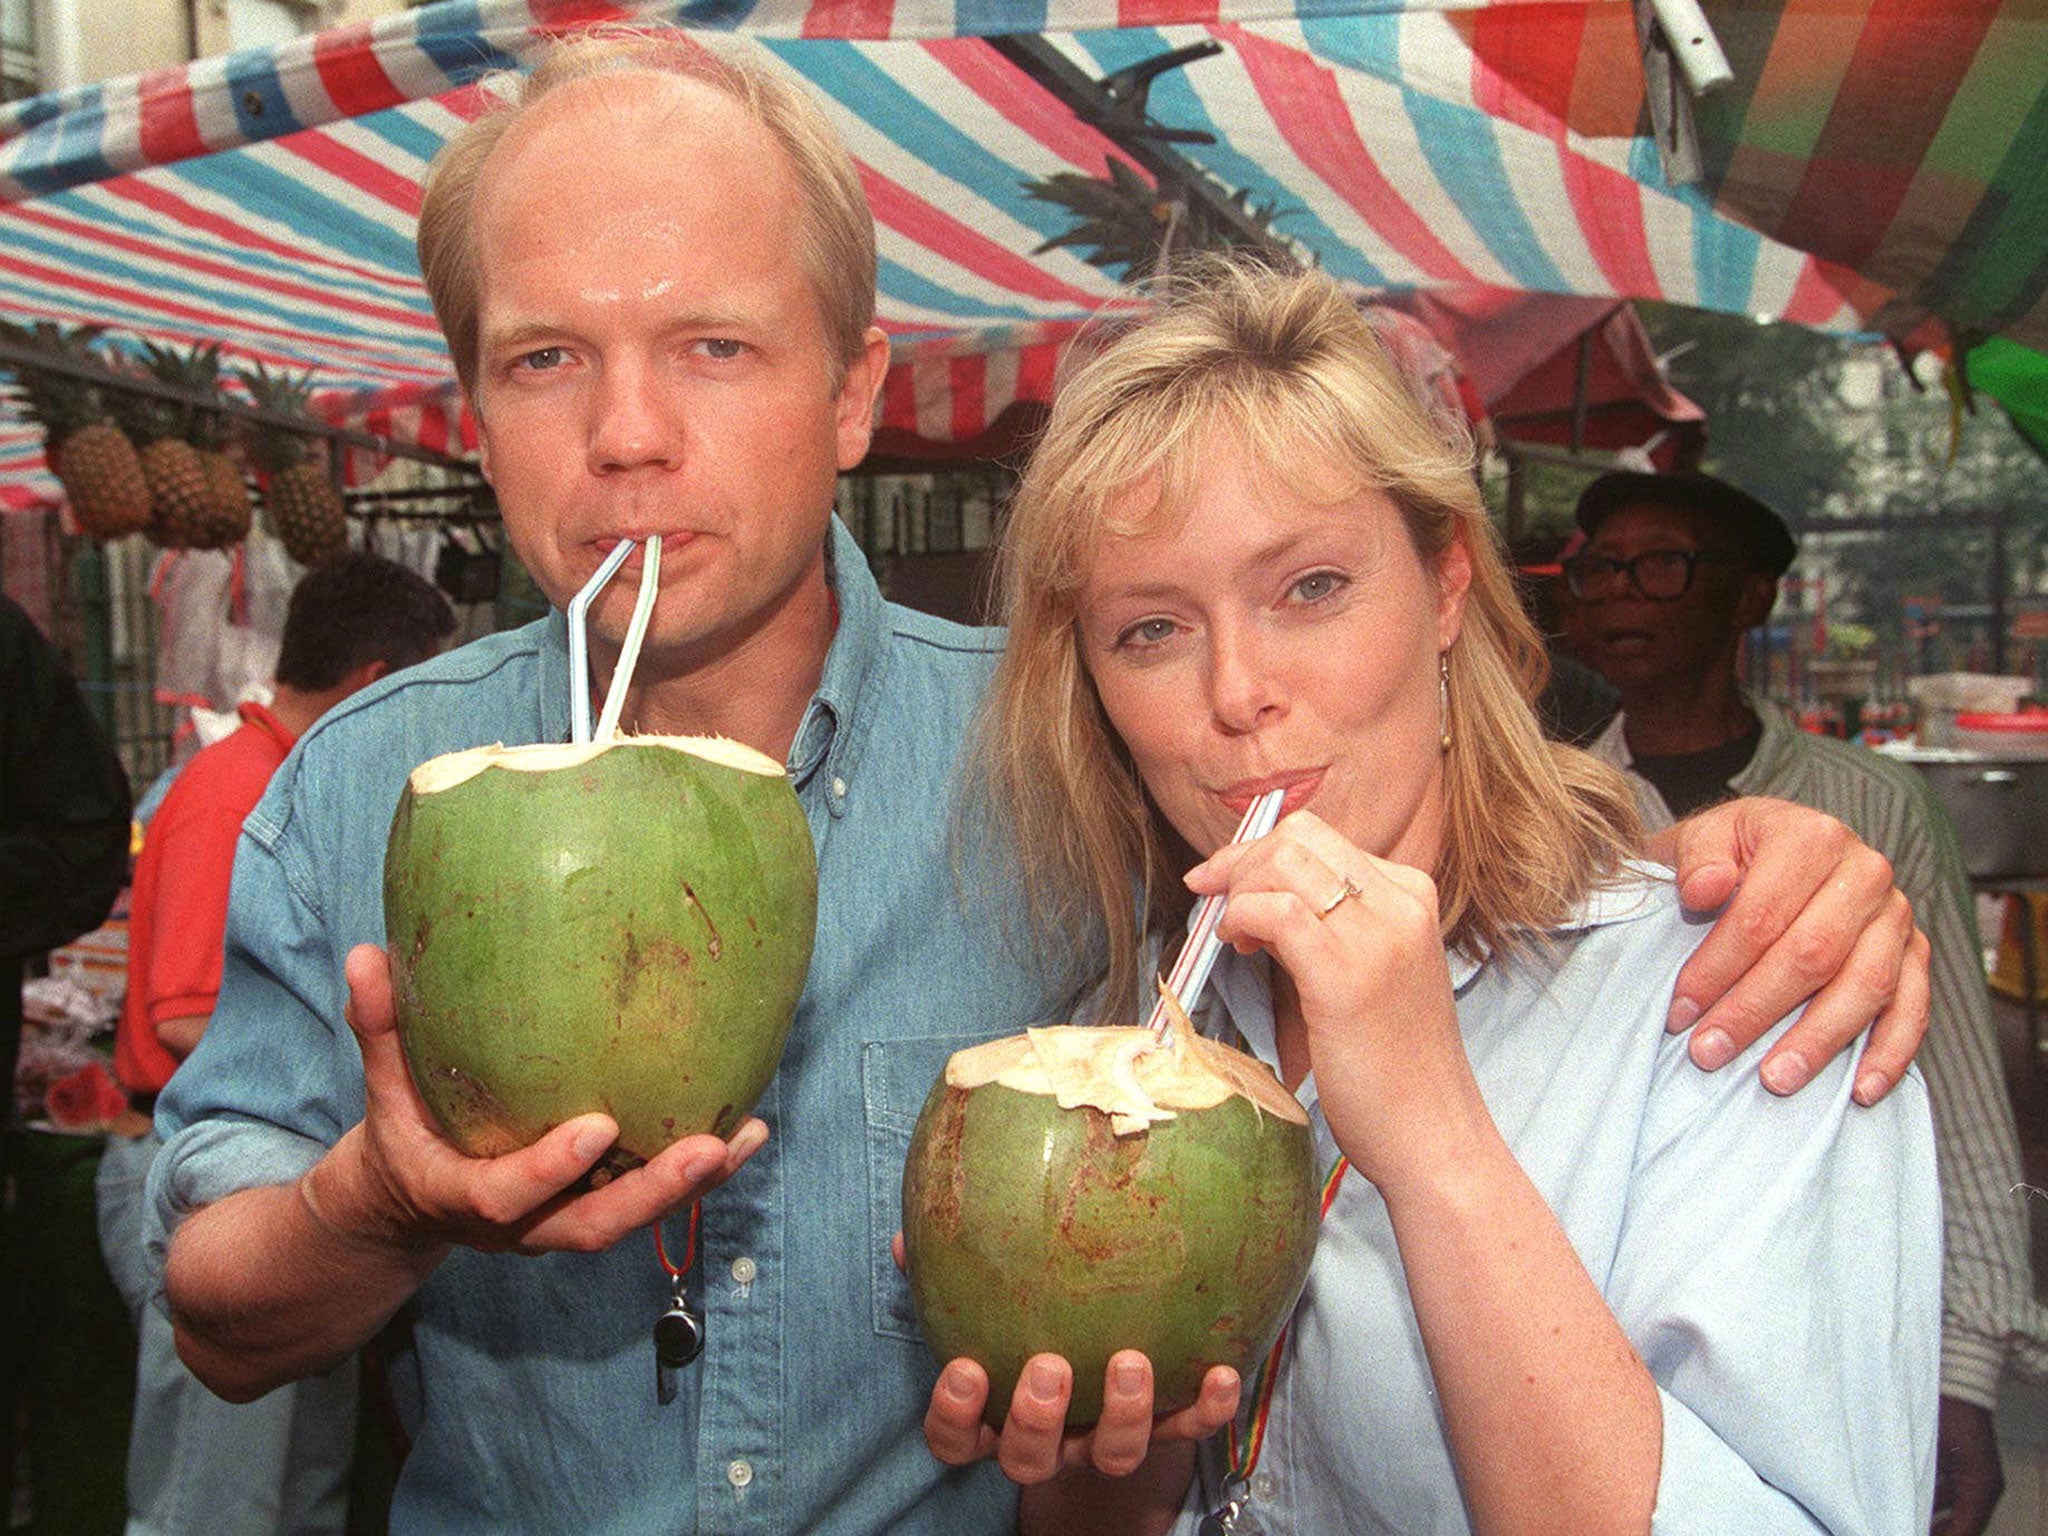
<point x="622" y="928"/>
<point x="1082" y="1190"/>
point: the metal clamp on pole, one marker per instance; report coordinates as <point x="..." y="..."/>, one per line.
<point x="1693" y="45"/>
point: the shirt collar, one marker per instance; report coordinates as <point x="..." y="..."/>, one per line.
<point x="826" y="733"/>
<point x="554" y="676"/>
<point x="1775" y="730"/>
<point x="259" y="715"/>
<point x="1243" y="984"/>
<point x="1775" y="743"/>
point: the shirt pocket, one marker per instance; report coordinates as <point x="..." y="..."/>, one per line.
<point x="896" y="1078"/>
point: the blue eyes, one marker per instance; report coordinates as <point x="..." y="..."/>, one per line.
<point x="717" y="349"/>
<point x="1147" y="632"/>
<point x="1315" y="587"/>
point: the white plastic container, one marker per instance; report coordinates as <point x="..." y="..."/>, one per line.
<point x="1941" y="696"/>
<point x="2007" y="735"/>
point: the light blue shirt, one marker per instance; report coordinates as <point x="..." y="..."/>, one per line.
<point x="1775" y="1262"/>
<point x="529" y="1382"/>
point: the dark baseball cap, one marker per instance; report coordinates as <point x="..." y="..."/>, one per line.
<point x="1753" y="529"/>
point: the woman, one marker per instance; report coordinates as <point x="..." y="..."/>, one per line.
<point x="1568" y="1281"/>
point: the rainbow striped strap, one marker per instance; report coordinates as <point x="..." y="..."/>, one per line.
<point x="1245" y="1457"/>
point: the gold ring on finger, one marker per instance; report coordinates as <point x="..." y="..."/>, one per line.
<point x="1345" y="892"/>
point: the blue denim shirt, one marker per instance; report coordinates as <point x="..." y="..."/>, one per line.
<point x="529" y="1382"/>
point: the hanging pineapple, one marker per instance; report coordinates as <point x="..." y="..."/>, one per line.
<point x="90" y="456"/>
<point x="301" y="504"/>
<point x="227" y="487"/>
<point x="193" y="504"/>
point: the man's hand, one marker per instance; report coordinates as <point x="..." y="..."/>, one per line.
<point x="280" y="1281"/>
<point x="395" y="1179"/>
<point x="1967" y="1477"/>
<point x="1811" y="916"/>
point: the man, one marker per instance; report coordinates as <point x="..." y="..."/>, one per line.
<point x="1677" y="569"/>
<point x="63" y="857"/>
<point x="280" y="1464"/>
<point x="63" y="816"/>
<point x="681" y="345"/>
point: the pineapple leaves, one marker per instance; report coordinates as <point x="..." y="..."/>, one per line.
<point x="1125" y="224"/>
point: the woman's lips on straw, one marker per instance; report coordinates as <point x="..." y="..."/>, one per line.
<point x="1300" y="784"/>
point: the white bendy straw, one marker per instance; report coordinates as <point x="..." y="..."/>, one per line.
<point x="579" y="639"/>
<point x="636" y="631"/>
<point x="1198" y="956"/>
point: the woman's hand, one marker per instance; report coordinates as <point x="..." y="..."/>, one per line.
<point x="1034" y="1445"/>
<point x="1359" y="942"/>
<point x="1811" y="917"/>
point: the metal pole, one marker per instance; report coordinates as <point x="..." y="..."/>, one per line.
<point x="1582" y="370"/>
<point x="1518" y="490"/>
<point x="1996" y="579"/>
<point x="1693" y="45"/>
<point x="94" y="595"/>
<point x="14" y="355"/>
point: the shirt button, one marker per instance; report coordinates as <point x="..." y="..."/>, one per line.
<point x="839" y="788"/>
<point x="743" y="1270"/>
<point x="1265" y="1485"/>
<point x="739" y="1473"/>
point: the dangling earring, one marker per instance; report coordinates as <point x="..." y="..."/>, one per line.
<point x="1443" y="698"/>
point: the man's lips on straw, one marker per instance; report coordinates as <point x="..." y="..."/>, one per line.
<point x="671" y="542"/>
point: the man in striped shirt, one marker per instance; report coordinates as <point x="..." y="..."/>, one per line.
<point x="1676" y="569"/>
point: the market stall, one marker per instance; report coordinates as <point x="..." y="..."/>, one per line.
<point x="266" y="198"/>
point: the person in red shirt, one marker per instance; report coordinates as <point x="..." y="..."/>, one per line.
<point x="279" y="1464"/>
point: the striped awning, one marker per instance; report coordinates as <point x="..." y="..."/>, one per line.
<point x="267" y="199"/>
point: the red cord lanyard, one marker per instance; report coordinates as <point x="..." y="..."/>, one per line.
<point x="676" y="1272"/>
<point x="678" y="1332"/>
<point x="1244" y="1458"/>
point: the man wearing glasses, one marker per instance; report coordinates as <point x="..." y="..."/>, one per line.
<point x="1676" y="569"/>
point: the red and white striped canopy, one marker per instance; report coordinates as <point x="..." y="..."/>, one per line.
<point x="267" y="199"/>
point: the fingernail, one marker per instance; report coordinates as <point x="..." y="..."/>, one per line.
<point x="1786" y="1072"/>
<point x="1043" y="1380"/>
<point x="1713" y="1050"/>
<point x="590" y="1141"/>
<point x="705" y="1165"/>
<point x="1870" y="1087"/>
<point x="959" y="1384"/>
<point x="1683" y="1015"/>
<point x="1127" y="1376"/>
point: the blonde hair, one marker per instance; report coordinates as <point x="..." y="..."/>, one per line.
<point x="1290" y="365"/>
<point x="837" y="248"/>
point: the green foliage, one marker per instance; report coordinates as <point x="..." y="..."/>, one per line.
<point x="277" y="448"/>
<point x="60" y="402"/>
<point x="1846" y="642"/>
<point x="1773" y="402"/>
<point x="1826" y="428"/>
<point x="197" y="372"/>
<point x="1124" y="219"/>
